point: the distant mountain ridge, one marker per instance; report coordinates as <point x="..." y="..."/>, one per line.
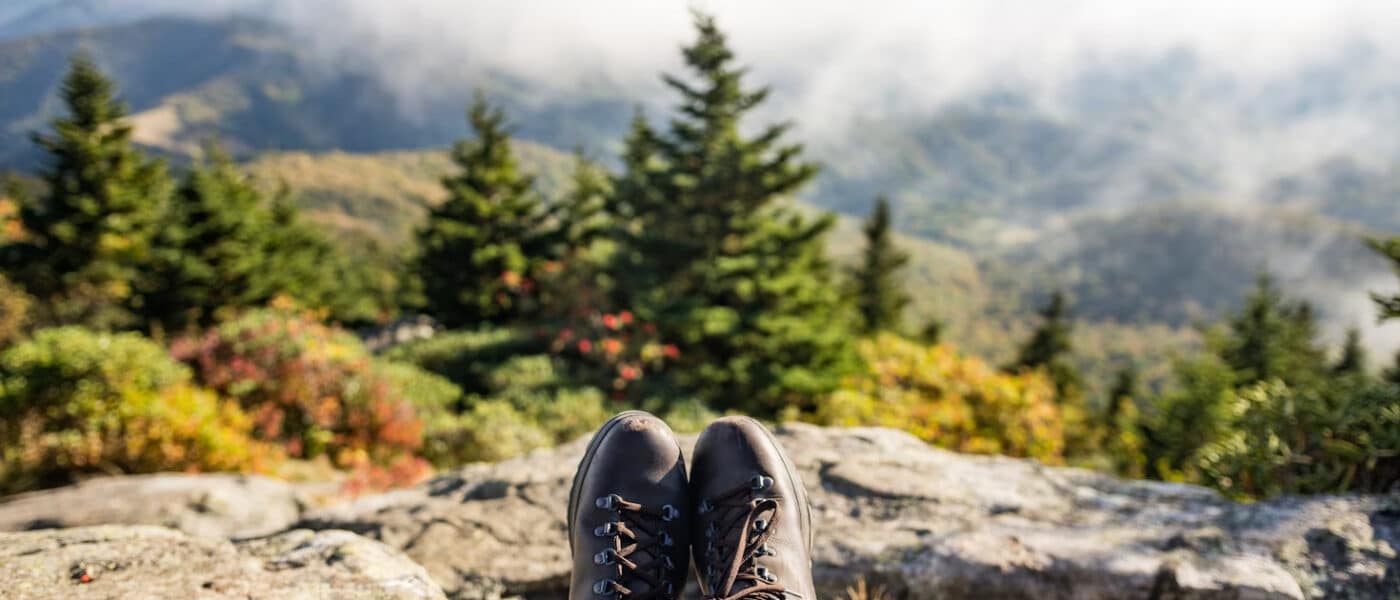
<point x="1127" y="195"/>
<point x="1121" y="134"/>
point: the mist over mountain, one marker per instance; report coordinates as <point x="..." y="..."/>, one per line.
<point x="1064" y="142"/>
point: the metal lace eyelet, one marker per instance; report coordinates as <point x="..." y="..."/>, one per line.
<point x="766" y="575"/>
<point x="711" y="531"/>
<point x="670" y="589"/>
<point x="669" y="513"/>
<point x="606" y="557"/>
<point x="760" y="483"/>
<point x="765" y="550"/>
<point x="668" y="564"/>
<point x="704" y="507"/>
<point x="605" y="530"/>
<point x="760" y="526"/>
<point x="607" y="502"/>
<point x="667" y="540"/>
<point x="602" y="586"/>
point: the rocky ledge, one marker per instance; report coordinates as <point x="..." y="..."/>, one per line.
<point x="913" y="520"/>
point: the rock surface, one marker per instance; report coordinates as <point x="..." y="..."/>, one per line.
<point x="204" y="505"/>
<point x="916" y="521"/>
<point x="135" y="561"/>
<point x="925" y="523"/>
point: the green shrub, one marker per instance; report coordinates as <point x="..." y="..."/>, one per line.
<point x="1289" y="440"/>
<point x="76" y="402"/>
<point x="431" y="394"/>
<point x="527" y="405"/>
<point x="492" y="430"/>
<point x="467" y="357"/>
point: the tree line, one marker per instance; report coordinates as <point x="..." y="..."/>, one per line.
<point x="687" y="273"/>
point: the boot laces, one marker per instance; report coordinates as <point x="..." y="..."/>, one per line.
<point x="640" y="550"/>
<point x="740" y="525"/>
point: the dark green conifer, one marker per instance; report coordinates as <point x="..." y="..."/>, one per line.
<point x="1273" y="338"/>
<point x="303" y="264"/>
<point x="211" y="250"/>
<point x="715" y="258"/>
<point x="1050" y="347"/>
<point x="1353" y="358"/>
<point x="1125" y="385"/>
<point x="581" y="216"/>
<point x="1390" y="249"/>
<point x="481" y="247"/>
<point x="1392" y="374"/>
<point x="932" y="331"/>
<point x="879" y="294"/>
<point x="90" y="232"/>
<point x="1124" y="441"/>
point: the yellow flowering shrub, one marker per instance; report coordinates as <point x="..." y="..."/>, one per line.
<point x="75" y="402"/>
<point x="949" y="400"/>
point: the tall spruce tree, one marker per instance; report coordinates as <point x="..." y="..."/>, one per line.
<point x="1389" y="248"/>
<point x="1353" y="358"/>
<point x="1121" y="420"/>
<point x="879" y="294"/>
<point x="1050" y="346"/>
<point x="89" y="233"/>
<point x="581" y="216"/>
<point x="303" y="264"/>
<point x="1389" y="305"/>
<point x="1273" y="338"/>
<point x="226" y="246"/>
<point x="212" y="250"/>
<point x="481" y="248"/>
<point x="1392" y="374"/>
<point x="711" y="254"/>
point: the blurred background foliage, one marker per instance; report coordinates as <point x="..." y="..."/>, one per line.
<point x="161" y="313"/>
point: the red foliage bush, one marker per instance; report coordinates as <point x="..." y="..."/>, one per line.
<point x="311" y="388"/>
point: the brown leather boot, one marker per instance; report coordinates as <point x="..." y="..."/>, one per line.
<point x="753" y="526"/>
<point x="629" y="523"/>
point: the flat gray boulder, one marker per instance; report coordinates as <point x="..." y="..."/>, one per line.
<point x="221" y="505"/>
<point x="925" y="523"/>
<point x="138" y="561"/>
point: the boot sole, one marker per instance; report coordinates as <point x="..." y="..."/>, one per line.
<point x="587" y="462"/>
<point x="803" y="504"/>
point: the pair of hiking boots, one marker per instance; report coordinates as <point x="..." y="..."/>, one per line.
<point x="636" y="516"/>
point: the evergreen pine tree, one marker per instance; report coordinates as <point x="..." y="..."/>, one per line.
<point x="1392" y="374"/>
<point x="89" y="234"/>
<point x="879" y="294"/>
<point x="1390" y="249"/>
<point x="1389" y="305"/>
<point x="1353" y="358"/>
<point x="932" y="332"/>
<point x="224" y="246"/>
<point x="575" y="285"/>
<point x="1124" y="440"/>
<point x="211" y="252"/>
<point x="581" y="215"/>
<point x="481" y="247"/>
<point x="1125" y="385"/>
<point x="709" y="253"/>
<point x="1273" y="338"/>
<point x="302" y="264"/>
<point x="1050" y="347"/>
